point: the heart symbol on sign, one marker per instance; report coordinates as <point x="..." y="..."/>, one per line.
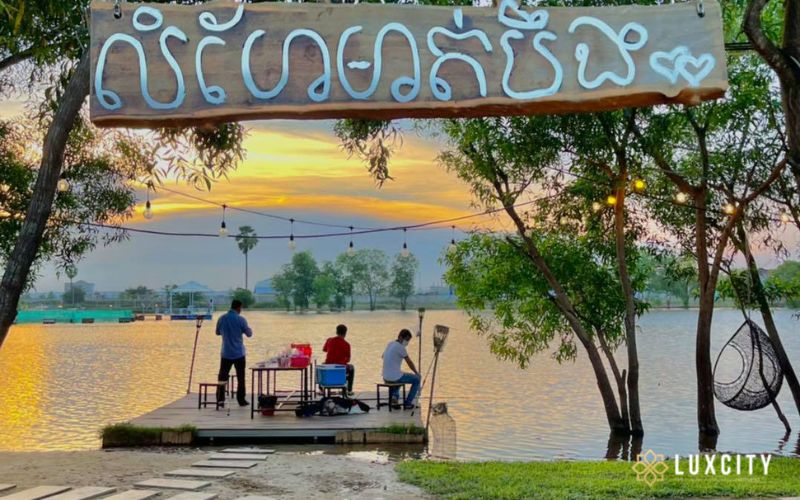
<point x="703" y="66"/>
<point x="680" y="58"/>
<point x="535" y="20"/>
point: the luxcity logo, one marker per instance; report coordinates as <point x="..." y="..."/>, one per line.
<point x="651" y="467"/>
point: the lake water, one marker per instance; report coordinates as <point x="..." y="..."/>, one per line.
<point x="61" y="383"/>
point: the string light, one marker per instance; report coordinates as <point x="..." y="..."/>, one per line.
<point x="148" y="207"/>
<point x="452" y="247"/>
<point x="63" y="185"/>
<point x="405" y="252"/>
<point x="351" y="249"/>
<point x="292" y="243"/>
<point x="223" y="228"/>
<point x="785" y="217"/>
<point x="596" y="206"/>
<point x="681" y="197"/>
<point x="639" y="185"/>
<point x="611" y="200"/>
<point x="729" y="209"/>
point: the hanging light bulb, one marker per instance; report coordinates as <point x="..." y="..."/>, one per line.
<point x="596" y="206"/>
<point x="292" y="243"/>
<point x="611" y="200"/>
<point x="405" y="252"/>
<point x="729" y="209"/>
<point x="785" y="217"/>
<point x="148" y="207"/>
<point x="63" y="185"/>
<point x="452" y="246"/>
<point x="148" y="210"/>
<point x="639" y="185"/>
<point x="351" y="249"/>
<point x="681" y="197"/>
<point x="223" y="228"/>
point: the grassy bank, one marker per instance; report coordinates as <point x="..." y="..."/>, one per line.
<point x="589" y="480"/>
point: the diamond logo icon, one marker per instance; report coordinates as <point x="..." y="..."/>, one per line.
<point x="650" y="467"/>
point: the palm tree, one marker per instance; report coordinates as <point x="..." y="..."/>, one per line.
<point x="71" y="271"/>
<point x="247" y="240"/>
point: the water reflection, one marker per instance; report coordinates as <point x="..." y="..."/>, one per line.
<point x="61" y="383"/>
<point x="621" y="447"/>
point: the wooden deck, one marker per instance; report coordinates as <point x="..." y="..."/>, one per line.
<point x="237" y="424"/>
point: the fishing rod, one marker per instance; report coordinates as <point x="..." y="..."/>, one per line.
<point x="198" y="325"/>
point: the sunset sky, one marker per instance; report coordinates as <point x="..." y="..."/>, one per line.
<point x="293" y="169"/>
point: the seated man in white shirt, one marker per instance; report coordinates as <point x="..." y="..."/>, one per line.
<point x="393" y="358"/>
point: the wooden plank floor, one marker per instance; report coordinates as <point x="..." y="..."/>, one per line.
<point x="219" y="423"/>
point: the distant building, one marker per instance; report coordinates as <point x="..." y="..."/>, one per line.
<point x="264" y="292"/>
<point x="88" y="288"/>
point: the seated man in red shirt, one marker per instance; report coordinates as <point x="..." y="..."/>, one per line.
<point x="338" y="350"/>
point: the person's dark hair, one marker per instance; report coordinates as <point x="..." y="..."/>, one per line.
<point x="405" y="334"/>
<point x="236" y="304"/>
<point x="341" y="330"/>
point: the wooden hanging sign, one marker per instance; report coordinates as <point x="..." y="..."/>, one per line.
<point x="167" y="64"/>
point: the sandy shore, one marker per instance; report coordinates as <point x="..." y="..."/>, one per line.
<point x="286" y="474"/>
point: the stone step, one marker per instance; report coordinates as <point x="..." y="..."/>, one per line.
<point x="173" y="484"/>
<point x="134" y="495"/>
<point x="86" y="493"/>
<point x="238" y="456"/>
<point x="7" y="487"/>
<point x="225" y="464"/>
<point x="37" y="493"/>
<point x="207" y="473"/>
<point x="266" y="451"/>
<point x="194" y="496"/>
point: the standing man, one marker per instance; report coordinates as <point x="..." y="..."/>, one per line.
<point x="231" y="326"/>
<point x="338" y="353"/>
<point x="393" y="358"/>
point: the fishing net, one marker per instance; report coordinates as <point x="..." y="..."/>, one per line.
<point x="747" y="374"/>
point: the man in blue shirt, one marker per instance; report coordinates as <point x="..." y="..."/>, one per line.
<point x="231" y="326"/>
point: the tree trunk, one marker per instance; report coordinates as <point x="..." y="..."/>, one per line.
<point x="246" y="272"/>
<point x="766" y="314"/>
<point x="26" y="247"/>
<point x="620" y="377"/>
<point x="630" y="315"/>
<point x="706" y="414"/>
<point x="615" y="422"/>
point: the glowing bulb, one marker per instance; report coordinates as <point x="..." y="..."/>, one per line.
<point x="223" y="230"/>
<point x="405" y="252"/>
<point x="729" y="209"/>
<point x="451" y="248"/>
<point x="639" y="185"/>
<point x="292" y="244"/>
<point x="596" y="206"/>
<point x="681" y="197"/>
<point x="611" y="200"/>
<point x="785" y="217"/>
<point x="148" y="211"/>
<point x="63" y="185"/>
<point x="351" y="250"/>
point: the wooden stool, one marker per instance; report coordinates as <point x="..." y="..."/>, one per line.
<point x="232" y="385"/>
<point x="326" y="390"/>
<point x="388" y="385"/>
<point x="202" y="395"/>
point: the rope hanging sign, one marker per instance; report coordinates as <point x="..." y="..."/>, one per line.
<point x="168" y="64"/>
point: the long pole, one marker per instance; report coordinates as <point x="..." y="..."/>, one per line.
<point x="433" y="384"/>
<point x="421" y="312"/>
<point x="198" y="324"/>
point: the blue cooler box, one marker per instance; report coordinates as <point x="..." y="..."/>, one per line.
<point x="331" y="375"/>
